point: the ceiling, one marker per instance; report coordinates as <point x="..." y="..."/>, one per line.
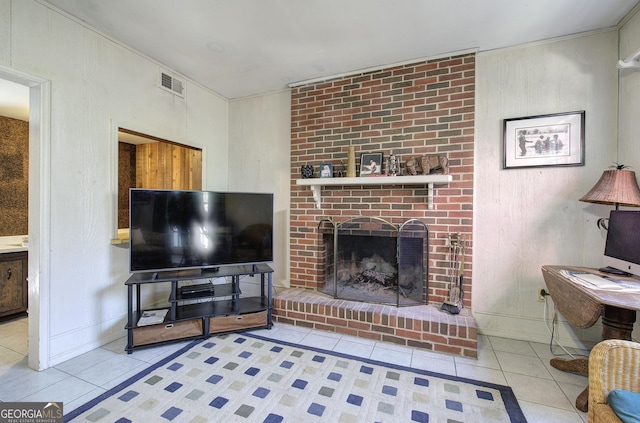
<point x="240" y="48"/>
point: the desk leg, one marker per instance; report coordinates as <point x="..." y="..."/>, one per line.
<point x="575" y="365"/>
<point x="617" y="323"/>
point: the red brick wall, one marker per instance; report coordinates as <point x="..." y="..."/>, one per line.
<point x="414" y="109"/>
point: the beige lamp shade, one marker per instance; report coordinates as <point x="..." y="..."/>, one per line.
<point x="616" y="186"/>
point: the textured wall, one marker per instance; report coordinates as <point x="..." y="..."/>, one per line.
<point x="14" y="176"/>
<point x="629" y="92"/>
<point x="259" y="157"/>
<point x="126" y="180"/>
<point x="414" y="109"/>
<point x="97" y="85"/>
<point x="526" y="218"/>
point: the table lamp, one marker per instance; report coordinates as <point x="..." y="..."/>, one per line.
<point x="616" y="187"/>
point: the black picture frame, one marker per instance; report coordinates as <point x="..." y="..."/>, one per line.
<point x="544" y="140"/>
<point x="326" y="170"/>
<point x="370" y="164"/>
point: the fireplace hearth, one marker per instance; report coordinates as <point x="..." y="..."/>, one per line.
<point x="369" y="259"/>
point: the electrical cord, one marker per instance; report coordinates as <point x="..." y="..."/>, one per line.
<point x="551" y="330"/>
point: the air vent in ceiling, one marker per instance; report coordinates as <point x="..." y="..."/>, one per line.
<point x="172" y="84"/>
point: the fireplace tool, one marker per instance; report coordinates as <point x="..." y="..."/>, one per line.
<point x="453" y="304"/>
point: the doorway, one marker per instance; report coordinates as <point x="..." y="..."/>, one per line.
<point x="38" y="214"/>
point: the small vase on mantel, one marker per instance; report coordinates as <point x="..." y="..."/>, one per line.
<point x="351" y="162"/>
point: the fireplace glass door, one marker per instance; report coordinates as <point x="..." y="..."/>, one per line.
<point x="371" y="260"/>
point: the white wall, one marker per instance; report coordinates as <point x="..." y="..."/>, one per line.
<point x="629" y="130"/>
<point x="5" y="31"/>
<point x="96" y="83"/>
<point x="260" y="160"/>
<point x="629" y="107"/>
<point x="526" y="218"/>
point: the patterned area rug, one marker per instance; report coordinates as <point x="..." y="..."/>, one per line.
<point x="248" y="378"/>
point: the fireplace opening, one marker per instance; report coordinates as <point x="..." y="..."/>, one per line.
<point x="369" y="259"/>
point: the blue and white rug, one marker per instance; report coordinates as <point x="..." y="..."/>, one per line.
<point x="249" y="378"/>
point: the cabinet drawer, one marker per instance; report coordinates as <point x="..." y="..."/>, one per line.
<point x="240" y="321"/>
<point x="13" y="284"/>
<point x="167" y="332"/>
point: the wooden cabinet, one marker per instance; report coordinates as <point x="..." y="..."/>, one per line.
<point x="199" y="304"/>
<point x="13" y="288"/>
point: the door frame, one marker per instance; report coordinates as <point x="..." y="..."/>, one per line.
<point x="39" y="213"/>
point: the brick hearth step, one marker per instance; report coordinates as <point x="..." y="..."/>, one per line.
<point x="423" y="326"/>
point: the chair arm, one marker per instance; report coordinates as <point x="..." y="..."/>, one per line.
<point x="613" y="364"/>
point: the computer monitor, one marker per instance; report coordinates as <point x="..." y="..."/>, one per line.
<point x="622" y="248"/>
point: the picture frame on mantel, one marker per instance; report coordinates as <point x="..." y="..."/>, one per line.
<point x="544" y="140"/>
<point x="326" y="170"/>
<point x="371" y="164"/>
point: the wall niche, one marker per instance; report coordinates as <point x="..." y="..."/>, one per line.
<point x="145" y="161"/>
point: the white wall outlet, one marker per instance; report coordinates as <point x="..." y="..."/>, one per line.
<point x="541" y="294"/>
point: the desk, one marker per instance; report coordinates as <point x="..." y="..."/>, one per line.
<point x="583" y="306"/>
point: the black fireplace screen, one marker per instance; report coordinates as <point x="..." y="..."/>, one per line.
<point x="371" y="260"/>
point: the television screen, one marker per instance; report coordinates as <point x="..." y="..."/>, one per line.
<point x="171" y="230"/>
<point x="622" y="248"/>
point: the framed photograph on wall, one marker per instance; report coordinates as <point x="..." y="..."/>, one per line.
<point x="370" y="164"/>
<point x="545" y="140"/>
<point x="326" y="170"/>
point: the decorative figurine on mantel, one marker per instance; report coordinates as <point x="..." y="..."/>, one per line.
<point x="306" y="171"/>
<point x="392" y="165"/>
<point x="428" y="165"/>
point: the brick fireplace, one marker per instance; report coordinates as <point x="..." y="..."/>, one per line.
<point x="423" y="108"/>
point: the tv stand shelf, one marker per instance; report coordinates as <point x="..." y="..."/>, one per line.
<point x="200" y="309"/>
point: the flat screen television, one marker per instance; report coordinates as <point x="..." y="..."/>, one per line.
<point x="177" y="230"/>
<point x="622" y="248"/>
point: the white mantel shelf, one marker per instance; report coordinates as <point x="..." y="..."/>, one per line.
<point x="316" y="184"/>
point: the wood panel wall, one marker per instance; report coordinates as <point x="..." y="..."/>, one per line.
<point x="168" y="166"/>
<point x="157" y="165"/>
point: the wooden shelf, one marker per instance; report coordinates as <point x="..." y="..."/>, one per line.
<point x="122" y="238"/>
<point x="316" y="184"/>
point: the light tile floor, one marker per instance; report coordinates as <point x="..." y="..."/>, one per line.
<point x="544" y="393"/>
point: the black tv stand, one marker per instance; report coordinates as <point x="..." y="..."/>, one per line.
<point x="614" y="271"/>
<point x="199" y="305"/>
